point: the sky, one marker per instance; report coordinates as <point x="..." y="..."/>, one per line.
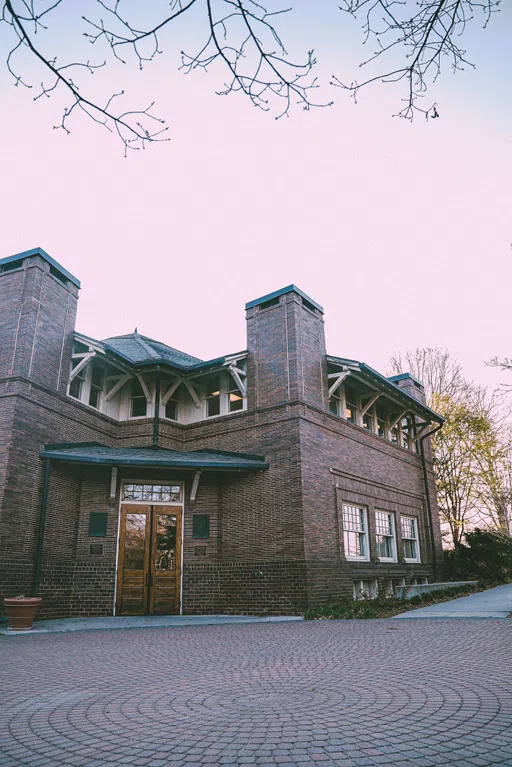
<point x="400" y="230"/>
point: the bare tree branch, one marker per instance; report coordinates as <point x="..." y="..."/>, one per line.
<point x="424" y="34"/>
<point x="239" y="35"/>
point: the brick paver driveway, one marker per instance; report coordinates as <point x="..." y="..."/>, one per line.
<point x="416" y="693"/>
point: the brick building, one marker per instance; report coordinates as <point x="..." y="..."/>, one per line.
<point x="138" y="479"/>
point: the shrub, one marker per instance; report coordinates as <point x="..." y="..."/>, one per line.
<point x="487" y="557"/>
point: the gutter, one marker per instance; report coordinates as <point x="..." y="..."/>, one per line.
<point x="427" y="496"/>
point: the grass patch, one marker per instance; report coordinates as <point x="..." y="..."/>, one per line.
<point x="386" y="608"/>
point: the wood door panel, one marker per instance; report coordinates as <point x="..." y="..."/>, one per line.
<point x="134" y="545"/>
<point x="149" y="562"/>
<point x="166" y="560"/>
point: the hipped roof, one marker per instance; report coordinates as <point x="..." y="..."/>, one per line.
<point x="154" y="457"/>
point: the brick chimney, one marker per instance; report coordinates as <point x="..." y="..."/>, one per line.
<point x="38" y="299"/>
<point x="286" y="349"/>
<point x="410" y="385"/>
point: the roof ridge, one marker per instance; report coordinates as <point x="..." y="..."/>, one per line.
<point x="149" y="349"/>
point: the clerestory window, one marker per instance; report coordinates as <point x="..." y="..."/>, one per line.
<point x="235" y="396"/>
<point x="138" y="400"/>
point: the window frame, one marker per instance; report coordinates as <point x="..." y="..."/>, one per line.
<point x="95" y="387"/>
<point x="164" y="408"/>
<point x="365" y="533"/>
<point x="391" y="516"/>
<point x="232" y="388"/>
<point x="133" y="381"/>
<point x="404" y="538"/>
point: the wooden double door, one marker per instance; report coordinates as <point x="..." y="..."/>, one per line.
<point x="149" y="561"/>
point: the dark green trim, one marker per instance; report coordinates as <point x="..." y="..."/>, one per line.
<point x="40" y="252"/>
<point x="41" y="526"/>
<point x="156" y="414"/>
<point x="282" y="292"/>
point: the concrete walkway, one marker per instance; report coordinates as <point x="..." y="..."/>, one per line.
<point x="61" y="625"/>
<point x="493" y="603"/>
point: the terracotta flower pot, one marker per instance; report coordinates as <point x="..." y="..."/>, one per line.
<point x="21" y="612"/>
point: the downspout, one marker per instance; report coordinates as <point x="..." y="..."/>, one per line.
<point x="157" y="407"/>
<point x="428" y="498"/>
<point x="40" y="531"/>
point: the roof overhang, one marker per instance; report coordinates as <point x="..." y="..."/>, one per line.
<point x="375" y="380"/>
<point x="94" y="453"/>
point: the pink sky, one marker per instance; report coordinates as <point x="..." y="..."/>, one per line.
<point x="402" y="232"/>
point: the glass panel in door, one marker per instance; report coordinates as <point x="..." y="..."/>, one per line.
<point x="166" y="561"/>
<point x="133" y="561"/>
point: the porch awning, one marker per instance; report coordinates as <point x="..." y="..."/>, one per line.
<point x="95" y="453"/>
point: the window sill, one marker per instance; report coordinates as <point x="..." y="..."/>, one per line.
<point x="357" y="559"/>
<point x="412" y="561"/>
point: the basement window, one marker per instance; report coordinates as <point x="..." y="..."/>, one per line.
<point x="365" y="589"/>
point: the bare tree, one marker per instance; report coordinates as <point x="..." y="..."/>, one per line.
<point x="472" y="454"/>
<point x="435" y="368"/>
<point x="239" y="36"/>
<point x="424" y="33"/>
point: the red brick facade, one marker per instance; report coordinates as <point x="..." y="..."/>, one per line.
<point x="276" y="538"/>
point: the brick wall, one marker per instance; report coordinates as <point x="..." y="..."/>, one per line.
<point x="275" y="543"/>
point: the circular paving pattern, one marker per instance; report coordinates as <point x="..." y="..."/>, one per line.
<point x="358" y="694"/>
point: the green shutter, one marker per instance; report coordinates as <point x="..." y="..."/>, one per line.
<point x="201" y="526"/>
<point x="98" y="524"/>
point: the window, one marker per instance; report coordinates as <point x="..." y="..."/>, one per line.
<point x="97" y="380"/>
<point x="212" y="396"/>
<point x="419" y="581"/>
<point x="368" y="419"/>
<point x="410" y="539"/>
<point x="355" y="532"/>
<point x="171" y="409"/>
<point x="365" y="589"/>
<point x="155" y="493"/>
<point x="76" y="385"/>
<point x="382" y="425"/>
<point x="139" y="403"/>
<point x="335" y="404"/>
<point x="385" y="530"/>
<point x="407" y="433"/>
<point x="350" y="406"/>
<point x="393" y="585"/>
<point x="235" y="397"/>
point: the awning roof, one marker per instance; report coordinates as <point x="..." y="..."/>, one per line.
<point x="96" y="453"/>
